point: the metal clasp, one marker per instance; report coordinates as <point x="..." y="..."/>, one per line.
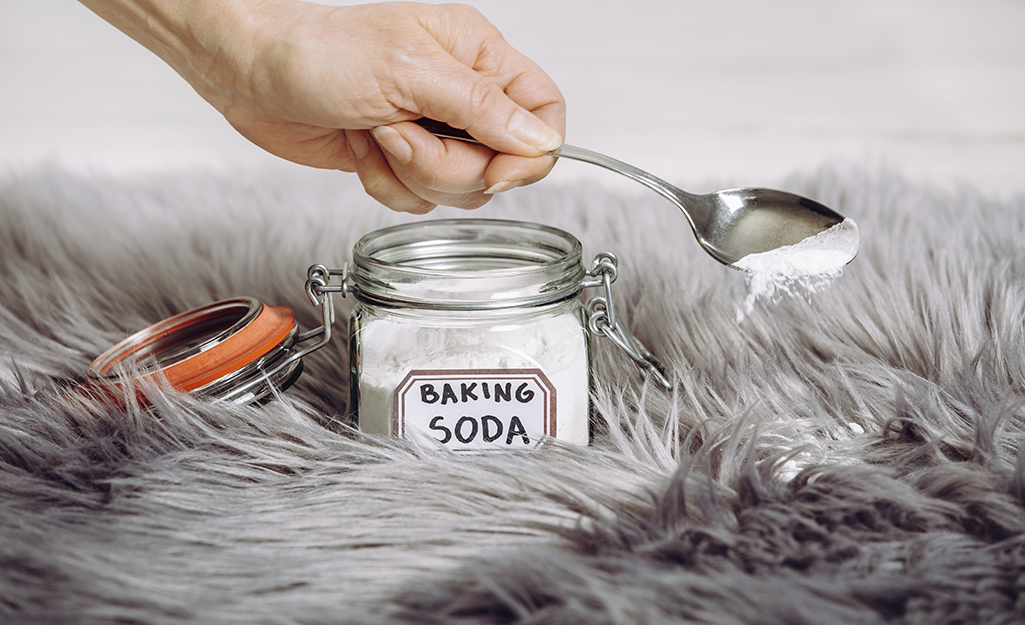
<point x="602" y="319"/>
<point x="319" y="289"/>
<point x="318" y="282"/>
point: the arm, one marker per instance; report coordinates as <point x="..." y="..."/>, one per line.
<point x="337" y="87"/>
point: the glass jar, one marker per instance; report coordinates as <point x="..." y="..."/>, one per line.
<point x="470" y="332"/>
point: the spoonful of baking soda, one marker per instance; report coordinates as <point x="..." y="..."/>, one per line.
<point x="783" y="241"/>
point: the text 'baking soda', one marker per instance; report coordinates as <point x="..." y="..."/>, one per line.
<point x="477" y="410"/>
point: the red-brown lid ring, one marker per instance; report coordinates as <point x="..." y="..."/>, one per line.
<point x="197" y="348"/>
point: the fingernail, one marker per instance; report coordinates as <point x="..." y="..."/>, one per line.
<point x="534" y="132"/>
<point x="394" y="143"/>
<point x="505" y="185"/>
<point x="358" y="142"/>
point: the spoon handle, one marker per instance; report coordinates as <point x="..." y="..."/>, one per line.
<point x="671" y="192"/>
<point x="668" y="191"/>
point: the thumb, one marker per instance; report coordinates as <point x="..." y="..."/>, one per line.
<point x="462" y="98"/>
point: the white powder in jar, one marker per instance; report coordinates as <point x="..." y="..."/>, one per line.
<point x="803" y="268"/>
<point x="392" y="347"/>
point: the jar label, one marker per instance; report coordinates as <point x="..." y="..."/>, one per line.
<point x="476" y="409"/>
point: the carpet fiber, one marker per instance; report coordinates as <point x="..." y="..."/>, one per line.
<point x="850" y="457"/>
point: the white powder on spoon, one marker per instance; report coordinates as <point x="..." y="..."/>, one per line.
<point x="805" y="267"/>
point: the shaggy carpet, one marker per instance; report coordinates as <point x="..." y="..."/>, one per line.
<point x="847" y="457"/>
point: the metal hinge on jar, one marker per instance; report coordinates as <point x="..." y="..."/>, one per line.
<point x="318" y="289"/>
<point x="603" y="321"/>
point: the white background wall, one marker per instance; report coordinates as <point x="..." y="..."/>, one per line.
<point x="702" y="92"/>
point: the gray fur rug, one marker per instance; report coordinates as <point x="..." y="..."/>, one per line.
<point x="851" y="457"/>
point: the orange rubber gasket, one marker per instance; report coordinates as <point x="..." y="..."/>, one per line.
<point x="268" y="330"/>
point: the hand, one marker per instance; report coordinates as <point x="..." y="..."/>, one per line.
<point x="338" y="87"/>
<point x="375" y="66"/>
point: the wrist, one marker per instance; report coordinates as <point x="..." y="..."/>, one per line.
<point x="210" y="43"/>
<point x="220" y="39"/>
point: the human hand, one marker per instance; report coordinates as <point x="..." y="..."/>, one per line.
<point x="339" y="88"/>
<point x="327" y="74"/>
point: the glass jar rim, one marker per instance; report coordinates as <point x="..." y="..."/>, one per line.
<point x="467" y="264"/>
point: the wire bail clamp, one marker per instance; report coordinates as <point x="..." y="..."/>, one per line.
<point x="603" y="321"/>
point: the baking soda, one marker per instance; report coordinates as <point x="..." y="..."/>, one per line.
<point x="474" y="360"/>
<point x="803" y="268"/>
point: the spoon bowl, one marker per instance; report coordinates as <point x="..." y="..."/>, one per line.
<point x="741" y="222"/>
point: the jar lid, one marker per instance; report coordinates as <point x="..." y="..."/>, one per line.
<point x="234" y="349"/>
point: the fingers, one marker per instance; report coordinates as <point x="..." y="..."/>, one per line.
<point x="454" y="173"/>
<point x="378" y="178"/>
<point x="508" y="172"/>
<point x="450" y="167"/>
<point x="489" y="89"/>
<point x="479" y="105"/>
<point x="439" y="173"/>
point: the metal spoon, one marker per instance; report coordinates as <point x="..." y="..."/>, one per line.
<point x="728" y="224"/>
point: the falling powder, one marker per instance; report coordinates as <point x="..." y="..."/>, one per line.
<point x="805" y="267"/>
